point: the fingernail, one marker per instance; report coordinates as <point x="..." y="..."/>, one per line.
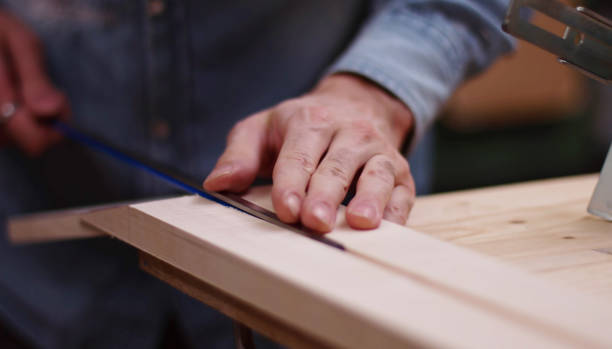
<point x="322" y="214"/>
<point x="222" y="171"/>
<point x="365" y="210"/>
<point x="293" y="203"/>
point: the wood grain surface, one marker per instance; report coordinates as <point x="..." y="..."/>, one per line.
<point x="394" y="287"/>
<point x="539" y="226"/>
<point x="397" y="286"/>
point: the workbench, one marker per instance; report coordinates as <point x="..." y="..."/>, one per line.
<point x="533" y="268"/>
<point x="541" y="227"/>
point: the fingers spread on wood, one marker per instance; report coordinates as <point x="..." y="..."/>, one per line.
<point x="332" y="179"/>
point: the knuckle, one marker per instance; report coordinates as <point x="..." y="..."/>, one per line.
<point x="366" y="133"/>
<point x="403" y="170"/>
<point x="288" y="104"/>
<point x="366" y="137"/>
<point x="318" y="114"/>
<point x="362" y="124"/>
<point x="313" y="116"/>
<point x="386" y="164"/>
<point x="380" y="175"/>
<point x="337" y="167"/>
<point x="401" y="207"/>
<point x="382" y="170"/>
<point x="395" y="210"/>
<point x="237" y="129"/>
<point x="242" y="124"/>
<point x="304" y="160"/>
<point x="336" y="172"/>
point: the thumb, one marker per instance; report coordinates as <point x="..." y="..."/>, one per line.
<point x="239" y="164"/>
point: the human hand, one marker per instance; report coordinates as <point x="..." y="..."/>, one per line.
<point x="316" y="145"/>
<point x="27" y="96"/>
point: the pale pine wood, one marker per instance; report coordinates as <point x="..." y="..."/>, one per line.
<point x="527" y="224"/>
<point x="475" y="277"/>
<point x="410" y="288"/>
<point x="51" y="226"/>
<point x="56" y="225"/>
<point x="540" y="226"/>
<point x="452" y="207"/>
<point x="331" y="295"/>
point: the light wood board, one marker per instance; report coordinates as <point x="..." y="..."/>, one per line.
<point x="440" y="295"/>
<point x="539" y="226"/>
<point x="395" y="287"/>
<point x="52" y="226"/>
<point x="236" y="309"/>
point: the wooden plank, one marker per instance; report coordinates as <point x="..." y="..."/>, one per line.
<point x="56" y="225"/>
<point x="428" y="293"/>
<point x="474" y="277"/>
<point x="541" y="226"/>
<point x="438" y="209"/>
<point x="51" y="226"/>
<point x="516" y="227"/>
<point x="328" y="294"/>
<point x="228" y="305"/>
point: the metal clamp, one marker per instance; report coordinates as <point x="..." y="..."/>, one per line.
<point x="586" y="44"/>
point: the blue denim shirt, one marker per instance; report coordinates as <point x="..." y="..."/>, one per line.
<point x="168" y="78"/>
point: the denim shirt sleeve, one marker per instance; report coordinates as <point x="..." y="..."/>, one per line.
<point x="421" y="50"/>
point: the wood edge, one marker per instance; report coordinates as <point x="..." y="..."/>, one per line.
<point x="126" y="217"/>
<point x="472" y="191"/>
<point x="18" y="234"/>
<point x="490" y="305"/>
<point x="228" y="305"/>
<point x="59" y="225"/>
<point x="49" y="227"/>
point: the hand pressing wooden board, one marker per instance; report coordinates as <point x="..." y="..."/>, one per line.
<point x="473" y="277"/>
<point x="395" y="287"/>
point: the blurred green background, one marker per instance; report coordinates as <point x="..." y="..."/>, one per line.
<point x="516" y="153"/>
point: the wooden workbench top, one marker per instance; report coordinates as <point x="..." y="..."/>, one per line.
<point x="539" y="226"/>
